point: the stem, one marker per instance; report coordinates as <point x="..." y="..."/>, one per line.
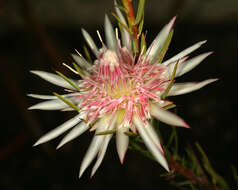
<point x="138" y="148"/>
<point x="188" y="174"/>
<point x="131" y="19"/>
<point x="201" y="181"/>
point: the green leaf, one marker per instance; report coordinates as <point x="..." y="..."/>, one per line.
<point x="173" y="138"/>
<point x="134" y="46"/>
<point x="107" y="132"/>
<point x="192" y="186"/>
<point x="143" y="44"/>
<point x="166" y="46"/>
<point x="183" y="183"/>
<point x="130" y="134"/>
<point x="174" y="71"/>
<point x="79" y="70"/>
<point x="85" y="49"/>
<point x="141" y="24"/>
<point x="135" y="146"/>
<point x="169" y="106"/>
<point x="67" y="101"/>
<point x="193" y="163"/>
<point x="120" y="23"/>
<point x="134" y="137"/>
<point x="121" y="8"/>
<point x="165" y="93"/>
<point x="68" y="80"/>
<point x="235" y="173"/>
<point x="216" y="178"/>
<point x="140" y="12"/>
<point x="155" y="124"/>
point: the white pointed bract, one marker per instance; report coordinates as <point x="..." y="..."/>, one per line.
<point x="90" y="42"/>
<point x="59" y="130"/>
<point x="120" y="93"/>
<point x="122" y="141"/>
<point x="126" y="40"/>
<point x="155" y="151"/>
<point x="74" y="133"/>
<point x="159" y="41"/>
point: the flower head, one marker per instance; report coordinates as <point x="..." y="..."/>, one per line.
<point x="120" y="92"/>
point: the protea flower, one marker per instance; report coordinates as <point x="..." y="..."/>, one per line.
<point x="120" y="93"/>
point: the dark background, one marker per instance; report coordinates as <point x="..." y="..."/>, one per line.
<point x="40" y="35"/>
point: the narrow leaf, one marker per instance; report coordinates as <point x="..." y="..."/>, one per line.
<point x="140" y="12"/>
<point x="135" y="146"/>
<point x="169" y="106"/>
<point x="67" y="101"/>
<point x="107" y="132"/>
<point x="194" y="164"/>
<point x="173" y="137"/>
<point x="143" y="44"/>
<point x="121" y="8"/>
<point x="216" y="178"/>
<point x="79" y="70"/>
<point x="130" y="134"/>
<point x="235" y="173"/>
<point x="85" y="49"/>
<point x="140" y="28"/>
<point x="68" y="80"/>
<point x="184" y="183"/>
<point x="164" y="95"/>
<point x="192" y="186"/>
<point x="122" y="24"/>
<point x="166" y="46"/>
<point x="134" y="46"/>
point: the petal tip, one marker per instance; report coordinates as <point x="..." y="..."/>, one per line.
<point x="36" y="143"/>
<point x="31" y="108"/>
<point x="83" y="30"/>
<point x="59" y="146"/>
<point x="174" y="18"/>
<point x="186" y="125"/>
<point x="215" y="79"/>
<point x="81" y="172"/>
<point x="106" y="18"/>
<point x="92" y="173"/>
<point x="208" y="81"/>
<point x="172" y="21"/>
<point x="208" y="53"/>
<point x="167" y="168"/>
<point x="80" y="175"/>
<point x="33" y="71"/>
<point x="122" y="158"/>
<point x="203" y="42"/>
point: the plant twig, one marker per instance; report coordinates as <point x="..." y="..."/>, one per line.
<point x="131" y="19"/>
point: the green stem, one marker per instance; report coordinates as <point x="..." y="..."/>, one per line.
<point x="131" y="19"/>
<point x="135" y="146"/>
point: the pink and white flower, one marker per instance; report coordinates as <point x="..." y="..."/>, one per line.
<point x="120" y="93"/>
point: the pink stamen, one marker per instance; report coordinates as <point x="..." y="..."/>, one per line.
<point x="117" y="83"/>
